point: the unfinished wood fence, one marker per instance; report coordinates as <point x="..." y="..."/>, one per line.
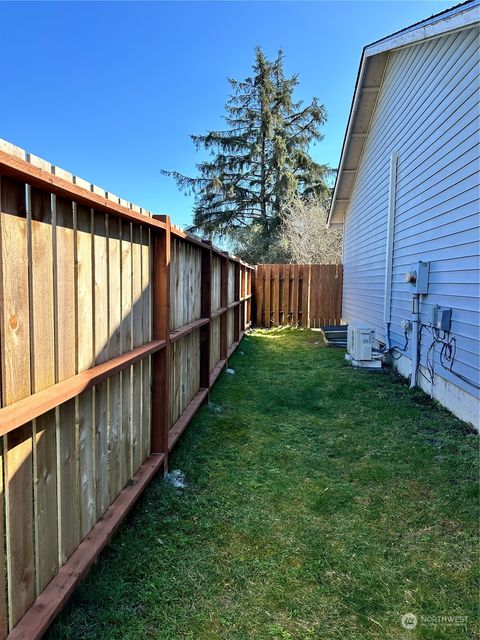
<point x="304" y="295"/>
<point x="113" y="327"/>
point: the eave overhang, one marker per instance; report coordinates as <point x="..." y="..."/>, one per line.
<point x="369" y="81"/>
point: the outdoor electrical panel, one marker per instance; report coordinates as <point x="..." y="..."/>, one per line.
<point x="417" y="277"/>
<point x="441" y="318"/>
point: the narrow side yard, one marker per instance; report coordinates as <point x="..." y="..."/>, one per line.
<point x="319" y="502"/>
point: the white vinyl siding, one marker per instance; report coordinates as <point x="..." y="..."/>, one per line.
<point x="427" y="111"/>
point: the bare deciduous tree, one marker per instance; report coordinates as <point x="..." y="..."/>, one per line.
<point x="304" y="231"/>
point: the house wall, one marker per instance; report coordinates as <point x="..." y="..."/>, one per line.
<point x="427" y="111"/>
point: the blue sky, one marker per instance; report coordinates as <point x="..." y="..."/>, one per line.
<point x="111" y="90"/>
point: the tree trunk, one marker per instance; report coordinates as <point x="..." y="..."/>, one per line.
<point x="263" y="186"/>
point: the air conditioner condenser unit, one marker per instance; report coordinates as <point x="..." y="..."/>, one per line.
<point x="360" y="339"/>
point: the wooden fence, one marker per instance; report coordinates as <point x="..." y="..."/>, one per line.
<point x="113" y="327"/>
<point x="304" y="295"/>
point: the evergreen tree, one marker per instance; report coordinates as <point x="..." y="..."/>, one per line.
<point x="260" y="160"/>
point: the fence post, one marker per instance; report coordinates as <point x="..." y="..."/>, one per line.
<point x="243" y="294"/>
<point x="224" y="304"/>
<point x="161" y="331"/>
<point x="236" y="310"/>
<point x="257" y="289"/>
<point x="251" y="281"/>
<point x="206" y="303"/>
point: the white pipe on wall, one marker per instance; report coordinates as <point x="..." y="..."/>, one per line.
<point x="387" y="303"/>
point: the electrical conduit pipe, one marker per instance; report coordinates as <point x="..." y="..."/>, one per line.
<point x="415" y="335"/>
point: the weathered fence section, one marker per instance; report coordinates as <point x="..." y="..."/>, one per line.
<point x="114" y="324"/>
<point x="304" y="295"/>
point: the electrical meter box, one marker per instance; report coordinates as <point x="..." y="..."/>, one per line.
<point x="417" y="277"/>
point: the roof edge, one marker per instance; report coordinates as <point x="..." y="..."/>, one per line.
<point x="454" y="19"/>
<point x="457" y="17"/>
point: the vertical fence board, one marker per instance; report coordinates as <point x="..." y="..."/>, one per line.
<point x="175" y="284"/>
<point x="65" y="289"/>
<point x="15" y="376"/>
<point x="338" y="293"/>
<point x="43" y="370"/>
<point x="306" y="295"/>
<point x="267" y="297"/>
<point x="285" y="293"/>
<point x="14" y="300"/>
<point x="273" y="294"/>
<point x="206" y="312"/>
<point x="249" y="293"/>
<point x="84" y="289"/>
<point x="311" y="295"/>
<point x="314" y="295"/>
<point x="243" y="306"/>
<point x="19" y="521"/>
<point x="41" y="267"/>
<point x="224" y="303"/>
<point x="14" y="309"/>
<point x="68" y="480"/>
<point x="65" y="353"/>
<point x="292" y="296"/>
<point x="236" y="296"/>
<point x="101" y="301"/>
<point x="126" y="342"/>
<point x="137" y="310"/>
<point x="85" y="420"/>
<point x="325" y="293"/>
<point x="3" y="594"/>
<point x="85" y="359"/>
<point x="259" y="295"/>
<point x="115" y="480"/>
<point x="146" y="337"/>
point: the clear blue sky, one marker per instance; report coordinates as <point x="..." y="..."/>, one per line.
<point x="111" y="91"/>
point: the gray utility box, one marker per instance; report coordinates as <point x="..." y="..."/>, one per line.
<point x="441" y="318"/>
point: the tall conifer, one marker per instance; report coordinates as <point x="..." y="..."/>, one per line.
<point x="262" y="157"/>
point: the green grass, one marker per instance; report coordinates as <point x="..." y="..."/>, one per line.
<point x="321" y="502"/>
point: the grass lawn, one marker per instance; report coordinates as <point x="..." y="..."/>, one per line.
<point x="320" y="502"/>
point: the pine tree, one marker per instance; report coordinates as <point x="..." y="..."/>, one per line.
<point x="261" y="159"/>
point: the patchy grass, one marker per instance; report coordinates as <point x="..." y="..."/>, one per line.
<point x="320" y="502"/>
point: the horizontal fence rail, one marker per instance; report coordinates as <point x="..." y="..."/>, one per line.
<point x="304" y="295"/>
<point x="114" y="324"/>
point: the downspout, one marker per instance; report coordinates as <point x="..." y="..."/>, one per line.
<point x="343" y="264"/>
<point x="389" y="249"/>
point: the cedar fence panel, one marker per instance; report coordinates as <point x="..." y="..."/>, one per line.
<point x="114" y="325"/>
<point x="304" y="295"/>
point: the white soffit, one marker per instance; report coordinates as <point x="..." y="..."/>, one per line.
<point x="369" y="81"/>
